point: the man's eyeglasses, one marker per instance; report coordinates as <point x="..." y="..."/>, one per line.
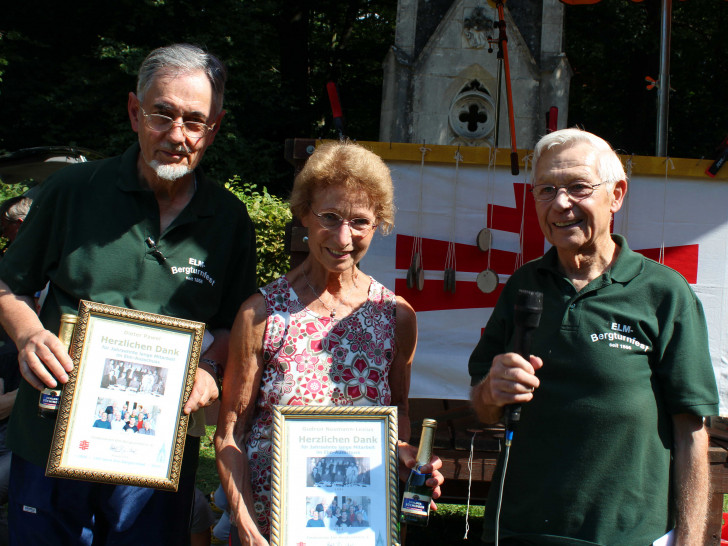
<point x="575" y="190"/>
<point x="162" y="124"/>
<point x="332" y="221"/>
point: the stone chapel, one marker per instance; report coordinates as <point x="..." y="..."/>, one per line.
<point x="441" y="81"/>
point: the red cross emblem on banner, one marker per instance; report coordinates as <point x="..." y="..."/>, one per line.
<point x="684" y="259"/>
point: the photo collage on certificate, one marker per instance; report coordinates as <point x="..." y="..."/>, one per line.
<point x="336" y="483"/>
<point x="126" y="415"/>
<point x="141" y="384"/>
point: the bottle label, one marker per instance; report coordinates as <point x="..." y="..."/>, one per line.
<point x="49" y="400"/>
<point x="415" y="504"/>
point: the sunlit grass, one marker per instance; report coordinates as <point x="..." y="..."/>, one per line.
<point x="207" y="478"/>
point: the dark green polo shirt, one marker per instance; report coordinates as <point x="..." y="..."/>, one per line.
<point x="591" y="458"/>
<point x="86" y="232"/>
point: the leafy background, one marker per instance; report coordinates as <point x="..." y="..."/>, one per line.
<point x="66" y="69"/>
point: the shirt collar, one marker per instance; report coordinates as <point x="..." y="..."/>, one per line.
<point x="628" y="265"/>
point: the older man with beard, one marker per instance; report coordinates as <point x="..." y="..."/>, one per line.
<point x="145" y="230"/>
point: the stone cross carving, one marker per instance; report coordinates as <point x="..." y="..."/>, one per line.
<point x="473" y="116"/>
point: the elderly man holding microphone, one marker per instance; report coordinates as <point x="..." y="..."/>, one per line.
<point x="610" y="448"/>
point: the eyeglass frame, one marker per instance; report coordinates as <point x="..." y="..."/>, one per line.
<point x="343" y="221"/>
<point x="566" y="189"/>
<point x="182" y="125"/>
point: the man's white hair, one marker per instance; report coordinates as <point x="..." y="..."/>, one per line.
<point x="609" y="166"/>
<point x="183" y="59"/>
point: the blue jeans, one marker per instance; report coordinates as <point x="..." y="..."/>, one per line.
<point x="47" y="511"/>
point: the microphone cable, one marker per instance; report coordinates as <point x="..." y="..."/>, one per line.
<point x="506" y="453"/>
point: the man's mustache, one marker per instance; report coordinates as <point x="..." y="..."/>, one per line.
<point x="179" y="148"/>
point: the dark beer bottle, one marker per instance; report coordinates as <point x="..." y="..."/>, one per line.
<point x="417" y="496"/>
<point x="50" y="398"/>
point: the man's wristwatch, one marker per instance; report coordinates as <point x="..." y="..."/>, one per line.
<point x="217" y="369"/>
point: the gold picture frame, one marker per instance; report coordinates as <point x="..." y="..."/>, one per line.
<point x="130" y="364"/>
<point x="327" y="458"/>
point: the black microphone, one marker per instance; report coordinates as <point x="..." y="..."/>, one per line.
<point x="155" y="251"/>
<point x="527" y="315"/>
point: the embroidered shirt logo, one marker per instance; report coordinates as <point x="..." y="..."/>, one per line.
<point x="619" y="337"/>
<point x="194" y="271"/>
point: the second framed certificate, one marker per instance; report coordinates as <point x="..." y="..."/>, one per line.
<point x="121" y="418"/>
<point x="334" y="476"/>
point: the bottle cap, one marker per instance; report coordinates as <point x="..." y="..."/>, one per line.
<point x="65" y="331"/>
<point x="426" y="440"/>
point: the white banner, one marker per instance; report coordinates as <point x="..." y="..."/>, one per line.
<point x="442" y="207"/>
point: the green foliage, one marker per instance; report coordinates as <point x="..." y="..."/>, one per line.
<point x="447" y="526"/>
<point x="7" y="191"/>
<point x="613" y="46"/>
<point x="71" y="88"/>
<point x="207" y="478"/>
<point x="269" y="214"/>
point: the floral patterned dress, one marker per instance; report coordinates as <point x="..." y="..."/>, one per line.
<point x="315" y="360"/>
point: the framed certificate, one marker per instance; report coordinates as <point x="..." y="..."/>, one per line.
<point x="334" y="477"/>
<point x="121" y="417"/>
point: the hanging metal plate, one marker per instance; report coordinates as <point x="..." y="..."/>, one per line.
<point x="487" y="281"/>
<point x="484" y="239"/>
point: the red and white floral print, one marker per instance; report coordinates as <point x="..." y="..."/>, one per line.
<point x="314" y="360"/>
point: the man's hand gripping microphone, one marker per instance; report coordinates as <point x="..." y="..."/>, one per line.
<point x="526" y="318"/>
